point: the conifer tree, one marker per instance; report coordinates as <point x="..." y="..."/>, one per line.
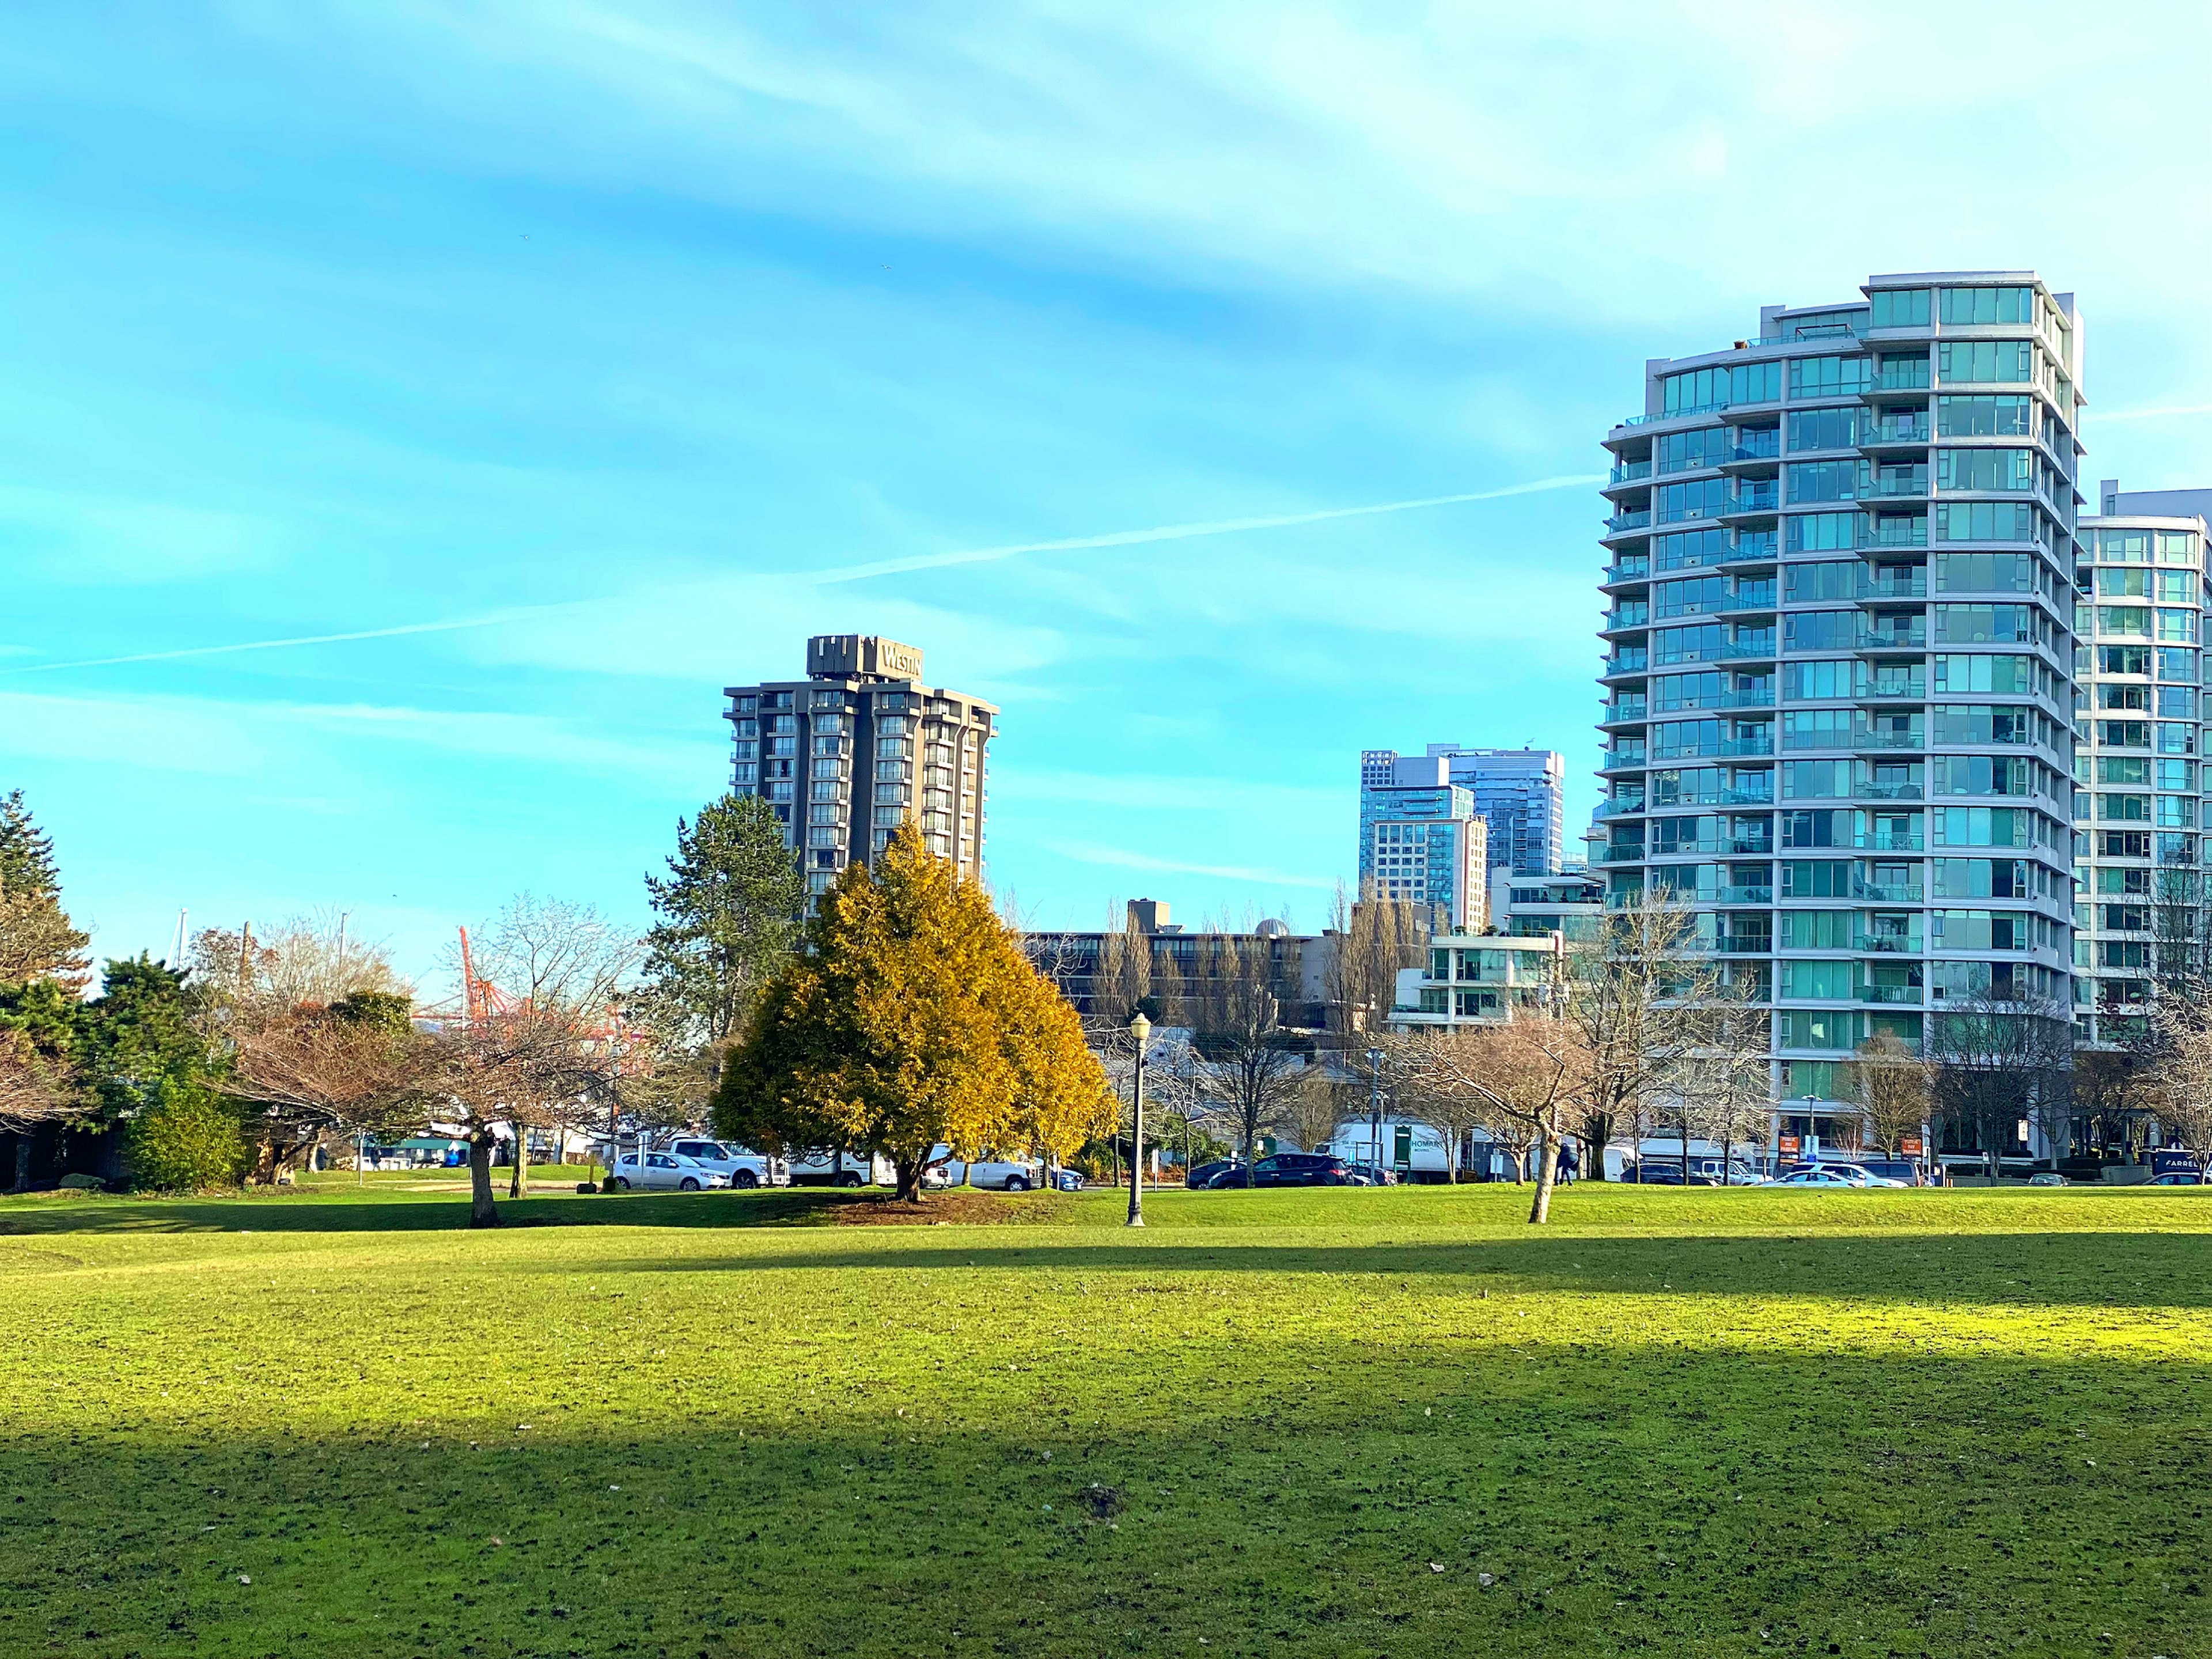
<point x="37" y="938"/>
<point x="911" y="1018"/>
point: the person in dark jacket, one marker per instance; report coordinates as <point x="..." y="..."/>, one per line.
<point x="1570" y="1166"/>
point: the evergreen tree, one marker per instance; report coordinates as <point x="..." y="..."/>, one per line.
<point x="27" y="852"/>
<point x="729" y="911"/>
<point x="37" y="940"/>
<point x="912" y="1018"/>
<point x="150" y="1068"/>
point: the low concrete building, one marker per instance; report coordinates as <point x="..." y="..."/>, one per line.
<point x="1479" y="979"/>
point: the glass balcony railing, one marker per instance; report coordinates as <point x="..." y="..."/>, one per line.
<point x="1752" y="498"/>
<point x="1749" y="642"/>
<point x="1635" y="520"/>
<point x="1744" y="944"/>
<point x="1899" y="530"/>
<point x="1628" y="568"/>
<point x="1707" y="607"/>
<point x="1751" y="544"/>
<point x="1721" y="749"/>
<point x="1739" y="797"/>
<point x="1866" y="739"/>
<point x="1895" y="481"/>
<point x="1628" y="709"/>
<point x="1624" y="852"/>
<point x="1913" y="588"/>
<point x="1756" y="444"/>
<point x="1889" y="892"/>
<point x="1630" y="472"/>
<point x="1891" y="637"/>
<point x="1618" y="808"/>
<point x="1892" y="792"/>
<point x="1717" y="699"/>
<point x="1902" y="374"/>
<point x="1745" y="895"/>
<point x="1898" y="690"/>
<point x="1907" y="944"/>
<point x="1891" y="843"/>
<point x="1891" y="994"/>
<point x="1911" y="428"/>
<point x="1633" y="660"/>
<point x="1759" y="600"/>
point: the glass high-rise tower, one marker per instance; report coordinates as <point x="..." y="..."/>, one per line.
<point x="1840" y="658"/>
<point x="2140" y="800"/>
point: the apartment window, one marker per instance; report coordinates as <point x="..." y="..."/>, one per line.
<point x="1819" y="630"/>
<point x="2123" y="768"/>
<point x="1829" y="980"/>
<point x="1985" y="624"/>
<point x="1816" y="879"/>
<point x="1899" y="307"/>
<point x="1986" y="673"/>
<point x="1985" y="572"/>
<point x="1707" y="388"/>
<point x="1986" y="307"/>
<point x="2177" y="624"/>
<point x="1983" y="826"/>
<point x="2123" y="619"/>
<point x="1826" y="377"/>
<point x="2176" y="812"/>
<point x="1684" y="452"/>
<point x="1984" y="469"/>
<point x="2177" y="547"/>
<point x="2177" y="702"/>
<point x="2174" y="665"/>
<point x="1821" y="533"/>
<point x="1829" y="580"/>
<point x="2124" y="546"/>
<point x="1983" y="418"/>
<point x="1985" y="522"/>
<point x="1825" y="480"/>
<point x="2129" y="659"/>
<point x="1700" y="498"/>
<point x="1999" y="362"/>
<point x="1824" y="428"/>
<point x="1814" y="681"/>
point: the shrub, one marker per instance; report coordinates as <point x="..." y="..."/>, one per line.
<point x="185" y="1138"/>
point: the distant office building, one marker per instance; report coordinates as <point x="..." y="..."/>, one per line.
<point x="1520" y="794"/>
<point x="1572" y="904"/>
<point x="1177" y="964"/>
<point x="860" y="747"/>
<point x="1421" y="839"/>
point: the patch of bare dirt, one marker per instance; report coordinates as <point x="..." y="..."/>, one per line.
<point x="954" y="1209"/>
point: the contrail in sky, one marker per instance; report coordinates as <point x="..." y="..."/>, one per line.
<point x="851" y="573"/>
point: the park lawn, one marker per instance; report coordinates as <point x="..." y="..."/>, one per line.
<point x="1676" y="1422"/>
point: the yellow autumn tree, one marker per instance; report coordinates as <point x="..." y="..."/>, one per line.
<point x="911" y="1018"/>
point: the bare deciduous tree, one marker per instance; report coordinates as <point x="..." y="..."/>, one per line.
<point x="1233" y="1002"/>
<point x="34" y="1090"/>
<point x="1644" y="1002"/>
<point x="2176" y="1085"/>
<point x="1890" y="1084"/>
<point x="562" y="972"/>
<point x="1998" y="1061"/>
<point x="1521" y="1079"/>
<point x="309" y="960"/>
<point x="1374" y="939"/>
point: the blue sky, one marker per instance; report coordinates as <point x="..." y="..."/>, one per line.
<point x="644" y="329"/>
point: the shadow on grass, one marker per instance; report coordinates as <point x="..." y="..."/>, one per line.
<point x="1350" y="1502"/>
<point x="2163" y="1270"/>
<point x="326" y="1213"/>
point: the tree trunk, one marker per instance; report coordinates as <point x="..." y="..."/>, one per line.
<point x="483" y="1211"/>
<point x="1547" y="1168"/>
<point x="909" y="1178"/>
<point x="518" y="1182"/>
<point x="22" y="1161"/>
<point x="1685" y="1149"/>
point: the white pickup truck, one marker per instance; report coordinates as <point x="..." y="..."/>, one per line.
<point x="842" y="1170"/>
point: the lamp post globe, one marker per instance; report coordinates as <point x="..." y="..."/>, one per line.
<point x="1141" y="1029"/>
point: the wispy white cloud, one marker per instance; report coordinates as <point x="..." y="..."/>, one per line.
<point x="1122" y="858"/>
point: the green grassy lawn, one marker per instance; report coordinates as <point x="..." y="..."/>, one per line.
<point x="1342" y="1423"/>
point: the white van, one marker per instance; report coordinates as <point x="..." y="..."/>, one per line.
<point x="1004" y="1174"/>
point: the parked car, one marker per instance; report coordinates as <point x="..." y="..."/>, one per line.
<point x="1204" y="1173"/>
<point x="1372" y="1175"/>
<point x="1825" y="1178"/>
<point x="1067" y="1181"/>
<point x="2046" y="1178"/>
<point x="1290" y="1170"/>
<point x="2176" y="1178"/>
<point x="745" y="1170"/>
<point x="666" y="1172"/>
<point x="1859" y="1176"/>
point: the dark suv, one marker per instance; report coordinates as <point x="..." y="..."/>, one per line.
<point x="1290" y="1170"/>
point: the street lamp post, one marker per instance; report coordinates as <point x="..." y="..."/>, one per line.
<point x="1375" y="1110"/>
<point x="1141" y="1029"/>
